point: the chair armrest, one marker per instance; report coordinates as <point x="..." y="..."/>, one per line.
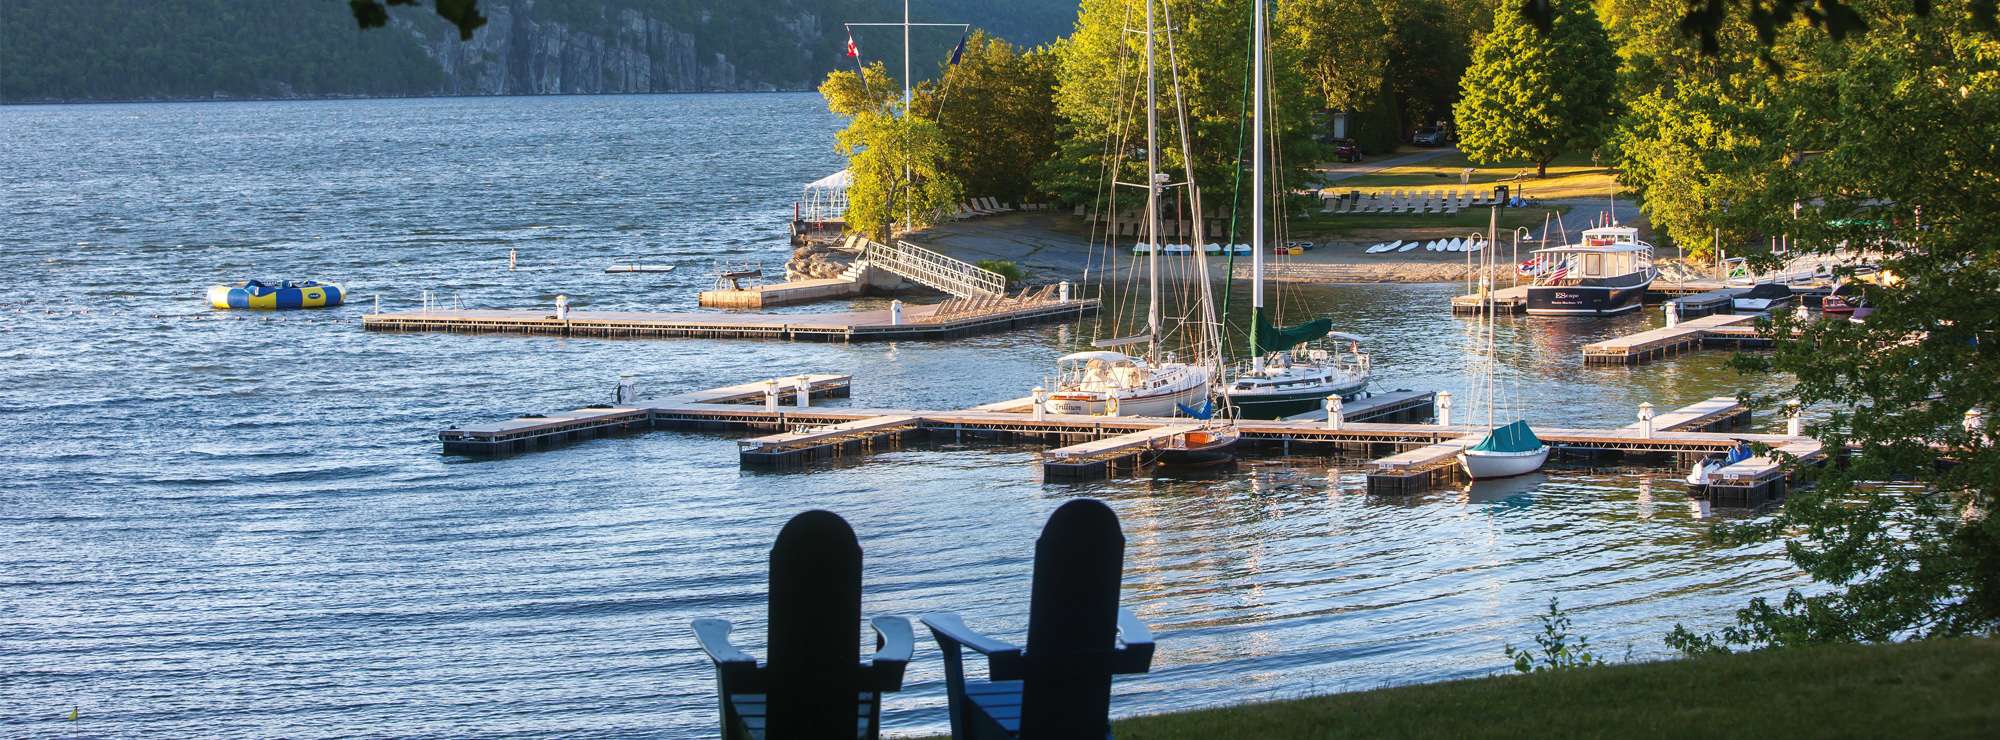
<point x="893" y="645"/>
<point x="1135" y="651"/>
<point x="732" y="666"/>
<point x="1003" y="660"/>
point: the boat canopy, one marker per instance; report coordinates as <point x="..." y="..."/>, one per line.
<point x="1606" y="249"/>
<point x="1273" y="339"/>
<point x="1769" y="291"/>
<point x="1345" y="337"/>
<point x="1515" y="437"/>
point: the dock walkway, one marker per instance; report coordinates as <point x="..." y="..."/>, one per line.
<point x="1645" y="346"/>
<point x="919" y="322"/>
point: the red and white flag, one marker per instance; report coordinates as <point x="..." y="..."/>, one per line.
<point x="852" y="50"/>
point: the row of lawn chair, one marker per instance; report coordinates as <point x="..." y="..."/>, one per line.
<point x="813" y="683"/>
<point x="1400" y="201"/>
<point x="982" y="207"/>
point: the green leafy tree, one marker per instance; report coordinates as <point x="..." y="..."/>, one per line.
<point x="868" y="90"/>
<point x="995" y="108"/>
<point x="1534" y="94"/>
<point x="900" y="173"/>
<point x="1888" y="142"/>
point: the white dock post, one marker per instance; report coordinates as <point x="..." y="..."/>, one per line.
<point x="1062" y="291"/>
<point x="771" y="396"/>
<point x="1794" y="425"/>
<point x="1444" y="408"/>
<point x="510" y="260"/>
<point x="1975" y="421"/>
<point x="628" y="389"/>
<point x="562" y="307"/>
<point x="1673" y="313"/>
<point x="804" y="387"/>
<point x="427" y="301"/>
<point x="1645" y="421"/>
<point x="896" y="312"/>
<point x="1333" y="415"/>
<point x="1041" y="396"/>
<point x="378" y="303"/>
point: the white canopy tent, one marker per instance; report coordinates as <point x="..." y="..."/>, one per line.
<point x="825" y="199"/>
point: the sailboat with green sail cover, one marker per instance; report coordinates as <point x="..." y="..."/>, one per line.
<point x="1291" y="369"/>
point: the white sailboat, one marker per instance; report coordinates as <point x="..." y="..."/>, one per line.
<point x="1111" y="383"/>
<point x="1512" y="449"/>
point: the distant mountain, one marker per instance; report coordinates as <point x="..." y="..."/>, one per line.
<point x="66" y="50"/>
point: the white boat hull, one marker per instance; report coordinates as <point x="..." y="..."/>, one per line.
<point x="1147" y="405"/>
<point x="1482" y="465"/>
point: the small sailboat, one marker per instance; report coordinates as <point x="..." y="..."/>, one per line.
<point x="1511" y="449"/>
<point x="1212" y="444"/>
<point x="1282" y="377"/>
<point x="1108" y="382"/>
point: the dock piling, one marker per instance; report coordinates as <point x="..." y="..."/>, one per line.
<point x="1041" y="395"/>
<point x="1794" y="425"/>
<point x="1645" y="420"/>
<point x="804" y="386"/>
<point x="1333" y="404"/>
<point x="1444" y="408"/>
<point x="628" y="389"/>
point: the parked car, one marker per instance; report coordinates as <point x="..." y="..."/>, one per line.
<point x="1428" y="136"/>
<point x="1346" y="150"/>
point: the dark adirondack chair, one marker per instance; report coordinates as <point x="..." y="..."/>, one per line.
<point x="815" y="684"/>
<point x="1059" y="686"/>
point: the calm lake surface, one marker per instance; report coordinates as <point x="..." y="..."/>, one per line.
<point x="239" y="524"/>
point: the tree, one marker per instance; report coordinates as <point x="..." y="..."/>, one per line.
<point x="996" y="110"/>
<point x="1533" y="94"/>
<point x="899" y="173"/>
<point x="1887" y="143"/>
<point x="463" y="14"/>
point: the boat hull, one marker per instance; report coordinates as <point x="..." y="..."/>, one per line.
<point x="1585" y="300"/>
<point x="1288" y="403"/>
<point x="1155" y="405"/>
<point x="1219" y="450"/>
<point x="1483" y="465"/>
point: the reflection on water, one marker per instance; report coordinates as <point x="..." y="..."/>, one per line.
<point x="241" y="520"/>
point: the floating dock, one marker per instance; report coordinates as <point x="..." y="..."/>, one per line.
<point x="1417" y="456"/>
<point x="1646" y="346"/>
<point x="918" y="322"/>
<point x="782" y="294"/>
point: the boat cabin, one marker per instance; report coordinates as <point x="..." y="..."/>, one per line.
<point x="1102" y="370"/>
<point x="1603" y="252"/>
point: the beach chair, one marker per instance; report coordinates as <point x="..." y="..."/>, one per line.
<point x="813" y="682"/>
<point x="1080" y="210"/>
<point x="1059" y="683"/>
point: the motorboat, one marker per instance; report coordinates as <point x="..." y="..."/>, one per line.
<point x="1106" y="383"/>
<point x="1762" y="297"/>
<point x="1300" y="378"/>
<point x="1505" y="452"/>
<point x="1606" y="272"/>
<point x="1214" y="443"/>
<point x="1836" y="304"/>
<point x="1705" y="469"/>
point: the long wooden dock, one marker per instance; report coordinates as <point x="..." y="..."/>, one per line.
<point x="1418" y="455"/>
<point x="919" y="322"/>
<point x="1646" y="346"/>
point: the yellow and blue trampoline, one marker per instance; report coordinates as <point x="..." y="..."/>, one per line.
<point x="284" y="294"/>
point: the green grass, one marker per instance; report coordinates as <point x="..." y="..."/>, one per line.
<point x="1933" y="689"/>
<point x="1315" y="225"/>
<point x="1570" y="176"/>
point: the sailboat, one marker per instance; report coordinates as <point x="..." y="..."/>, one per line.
<point x="1283" y="377"/>
<point x="1108" y="382"/>
<point x="1512" y="449"/>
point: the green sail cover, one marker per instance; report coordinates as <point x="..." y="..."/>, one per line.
<point x="1273" y="339"/>
<point x="1515" y="437"/>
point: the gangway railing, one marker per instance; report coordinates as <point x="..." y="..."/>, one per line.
<point x="925" y="267"/>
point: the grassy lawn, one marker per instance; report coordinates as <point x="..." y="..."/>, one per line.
<point x="1316" y="225"/>
<point x="1937" y="689"/>
<point x="1570" y="176"/>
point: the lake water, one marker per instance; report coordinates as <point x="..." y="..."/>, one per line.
<point x="239" y="524"/>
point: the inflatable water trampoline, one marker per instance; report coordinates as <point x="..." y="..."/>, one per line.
<point x="284" y="294"/>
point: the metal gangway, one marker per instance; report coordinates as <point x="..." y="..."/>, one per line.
<point x="925" y="267"/>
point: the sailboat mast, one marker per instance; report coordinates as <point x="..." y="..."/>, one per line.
<point x="1152" y="197"/>
<point x="1257" y="183"/>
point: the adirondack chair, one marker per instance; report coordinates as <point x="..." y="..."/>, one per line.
<point x="1059" y="685"/>
<point x="814" y="684"/>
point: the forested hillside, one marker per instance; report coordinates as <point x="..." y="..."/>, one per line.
<point x="200" y="49"/>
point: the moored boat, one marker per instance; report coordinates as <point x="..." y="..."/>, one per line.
<point x="1762" y="297"/>
<point x="1705" y="469"/>
<point x="1605" y="273"/>
<point x="1507" y="451"/>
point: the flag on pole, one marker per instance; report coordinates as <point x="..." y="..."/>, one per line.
<point x="852" y="50"/>
<point x="958" y="51"/>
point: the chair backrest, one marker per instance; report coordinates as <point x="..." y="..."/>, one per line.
<point x="1072" y="622"/>
<point x="813" y="674"/>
